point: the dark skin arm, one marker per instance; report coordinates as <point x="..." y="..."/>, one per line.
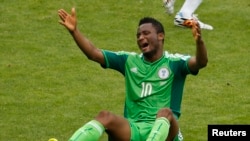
<point x="117" y="126"/>
<point x="69" y="21"/>
<point x="200" y="59"/>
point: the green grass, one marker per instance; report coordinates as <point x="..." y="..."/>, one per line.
<point x="48" y="88"/>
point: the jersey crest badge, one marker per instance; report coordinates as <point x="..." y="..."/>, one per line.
<point x="163" y="73"/>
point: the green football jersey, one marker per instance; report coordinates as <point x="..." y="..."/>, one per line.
<point x="150" y="86"/>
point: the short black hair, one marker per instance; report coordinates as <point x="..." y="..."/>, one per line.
<point x="158" y="26"/>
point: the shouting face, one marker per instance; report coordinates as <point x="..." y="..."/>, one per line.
<point x="149" y="41"/>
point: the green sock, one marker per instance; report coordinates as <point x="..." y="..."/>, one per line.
<point x="91" y="131"/>
<point x="160" y="130"/>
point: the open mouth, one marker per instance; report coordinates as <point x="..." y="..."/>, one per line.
<point x="144" y="45"/>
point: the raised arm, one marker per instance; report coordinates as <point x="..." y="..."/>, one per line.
<point x="200" y="59"/>
<point x="69" y="21"/>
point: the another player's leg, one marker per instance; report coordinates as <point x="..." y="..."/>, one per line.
<point x="187" y="12"/>
<point x="169" y="6"/>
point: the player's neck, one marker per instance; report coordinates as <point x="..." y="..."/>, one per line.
<point x="152" y="58"/>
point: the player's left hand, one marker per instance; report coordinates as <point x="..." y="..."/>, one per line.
<point x="196" y="30"/>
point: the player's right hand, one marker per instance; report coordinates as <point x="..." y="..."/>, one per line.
<point x="68" y="20"/>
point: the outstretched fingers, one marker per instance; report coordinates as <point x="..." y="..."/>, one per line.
<point x="62" y="14"/>
<point x="68" y="20"/>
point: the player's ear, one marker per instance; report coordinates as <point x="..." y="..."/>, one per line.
<point x="161" y="36"/>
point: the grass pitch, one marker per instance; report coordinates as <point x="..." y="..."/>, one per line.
<point x="48" y="88"/>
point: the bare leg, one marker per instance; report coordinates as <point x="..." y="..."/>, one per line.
<point x="117" y="127"/>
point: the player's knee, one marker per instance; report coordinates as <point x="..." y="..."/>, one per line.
<point x="165" y="112"/>
<point x="105" y="117"/>
<point x="103" y="114"/>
